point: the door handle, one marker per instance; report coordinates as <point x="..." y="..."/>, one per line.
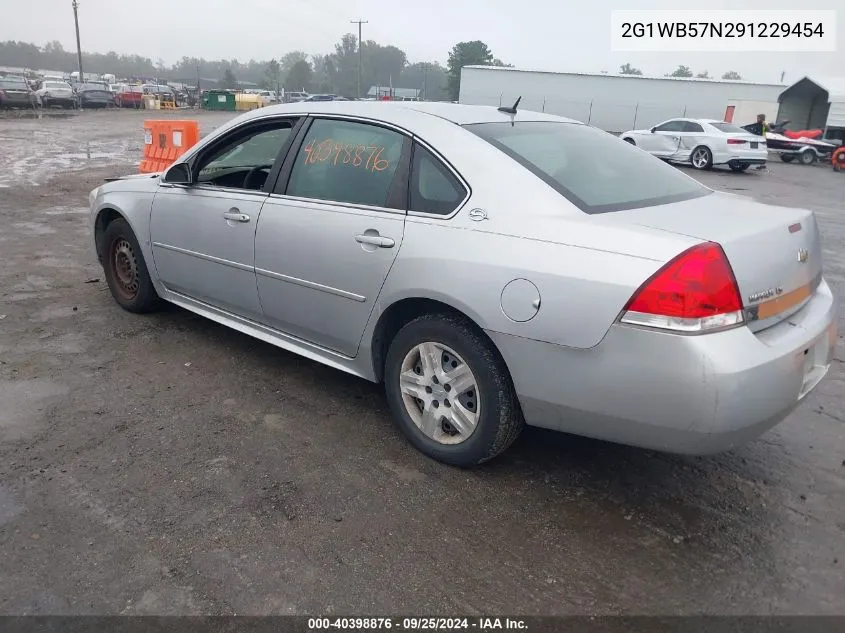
<point x="375" y="240"/>
<point x="236" y="216"/>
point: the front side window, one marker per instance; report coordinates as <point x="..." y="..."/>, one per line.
<point x="246" y="161"/>
<point x="689" y="126"/>
<point x="434" y="189"/>
<point x="346" y="161"/>
<point x="596" y="171"/>
<point x="670" y="126"/>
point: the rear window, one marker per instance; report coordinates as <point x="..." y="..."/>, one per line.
<point x="593" y="169"/>
<point x="729" y="128"/>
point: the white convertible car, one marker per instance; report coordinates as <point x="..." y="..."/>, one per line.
<point x="702" y="143"/>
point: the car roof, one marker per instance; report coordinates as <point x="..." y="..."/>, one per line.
<point x="397" y="111"/>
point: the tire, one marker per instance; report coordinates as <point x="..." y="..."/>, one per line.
<point x="125" y="269"/>
<point x="490" y="398"/>
<point x="630" y="140"/>
<point x="701" y="158"/>
<point x="787" y="158"/>
<point x="738" y="167"/>
<point x="807" y="157"/>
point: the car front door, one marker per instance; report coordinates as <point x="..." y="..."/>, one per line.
<point x="329" y="234"/>
<point x="203" y="233"/>
<point x="664" y="138"/>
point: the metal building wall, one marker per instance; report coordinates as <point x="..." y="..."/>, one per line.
<point x="610" y="102"/>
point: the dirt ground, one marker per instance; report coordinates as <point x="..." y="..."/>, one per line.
<point x="166" y="465"/>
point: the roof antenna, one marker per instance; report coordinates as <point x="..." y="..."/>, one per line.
<point x="512" y="109"/>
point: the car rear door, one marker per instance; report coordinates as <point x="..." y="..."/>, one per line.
<point x="203" y="234"/>
<point x="331" y="230"/>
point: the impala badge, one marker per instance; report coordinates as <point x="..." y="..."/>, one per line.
<point x="765" y="294"/>
<point x="803" y="255"/>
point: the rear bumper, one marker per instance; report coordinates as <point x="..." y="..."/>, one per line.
<point x="750" y="157"/>
<point x="680" y="394"/>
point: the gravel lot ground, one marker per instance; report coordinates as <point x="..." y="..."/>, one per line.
<point x="166" y="465"/>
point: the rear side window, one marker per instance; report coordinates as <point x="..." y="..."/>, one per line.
<point x="729" y="128"/>
<point x="434" y="189"/>
<point x="347" y="161"/>
<point x="593" y="169"/>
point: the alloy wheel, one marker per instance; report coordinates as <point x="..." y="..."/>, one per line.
<point x="700" y="158"/>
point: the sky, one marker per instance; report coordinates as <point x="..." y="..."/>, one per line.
<point x="555" y="35"/>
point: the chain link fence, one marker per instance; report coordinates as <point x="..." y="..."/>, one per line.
<point x="615" y="117"/>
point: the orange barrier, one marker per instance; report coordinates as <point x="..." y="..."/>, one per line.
<point x="838" y="159"/>
<point x="165" y="141"/>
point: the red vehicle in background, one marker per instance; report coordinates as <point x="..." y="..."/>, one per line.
<point x="129" y="96"/>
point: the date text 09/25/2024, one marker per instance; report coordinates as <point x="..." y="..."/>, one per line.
<point x="418" y="624"/>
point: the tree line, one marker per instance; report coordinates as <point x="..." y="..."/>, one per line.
<point x="335" y="72"/>
<point x="681" y="71"/>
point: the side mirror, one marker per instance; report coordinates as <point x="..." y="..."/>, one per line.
<point x="653" y="129"/>
<point x="178" y="174"/>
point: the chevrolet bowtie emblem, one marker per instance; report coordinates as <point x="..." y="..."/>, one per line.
<point x="803" y="255"/>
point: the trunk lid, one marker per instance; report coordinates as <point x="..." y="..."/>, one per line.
<point x="775" y="252"/>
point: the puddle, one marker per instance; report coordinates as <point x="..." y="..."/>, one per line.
<point x="67" y="211"/>
<point x="34" y="228"/>
<point x="23" y="405"/>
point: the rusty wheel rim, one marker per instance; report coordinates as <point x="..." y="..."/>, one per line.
<point x="124" y="265"/>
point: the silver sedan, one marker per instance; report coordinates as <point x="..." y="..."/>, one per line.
<point x="492" y="267"/>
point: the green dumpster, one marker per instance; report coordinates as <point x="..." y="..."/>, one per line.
<point x="218" y="100"/>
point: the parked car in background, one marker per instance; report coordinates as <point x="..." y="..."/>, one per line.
<point x="129" y="96"/>
<point x="268" y="97"/>
<point x="323" y="98"/>
<point x="579" y="284"/>
<point x="94" y="95"/>
<point x="16" y="93"/>
<point x="295" y="97"/>
<point x="702" y="143"/>
<point x="55" y="93"/>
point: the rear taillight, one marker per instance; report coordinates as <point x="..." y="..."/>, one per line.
<point x="695" y="292"/>
<point x="736" y="141"/>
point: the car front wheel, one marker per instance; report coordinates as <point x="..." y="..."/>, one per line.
<point x="450" y="392"/>
<point x="125" y="270"/>
<point x="701" y="158"/>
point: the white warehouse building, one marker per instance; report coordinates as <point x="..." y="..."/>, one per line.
<point x="611" y="102"/>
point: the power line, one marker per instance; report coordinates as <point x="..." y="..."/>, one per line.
<point x="360" y="49"/>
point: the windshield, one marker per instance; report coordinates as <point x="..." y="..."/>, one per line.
<point x="729" y="128"/>
<point x="592" y="169"/>
<point x="13" y="84"/>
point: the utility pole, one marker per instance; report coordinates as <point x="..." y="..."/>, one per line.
<point x="360" y="49"/>
<point x="78" y="45"/>
<point x="425" y="80"/>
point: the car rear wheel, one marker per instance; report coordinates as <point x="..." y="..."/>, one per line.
<point x="808" y="157"/>
<point x="701" y="158"/>
<point x="450" y="392"/>
<point x="125" y="270"/>
<point x="787" y="158"/>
